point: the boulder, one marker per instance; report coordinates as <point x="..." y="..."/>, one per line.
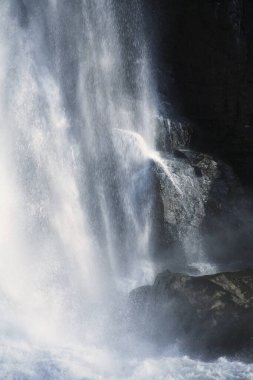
<point x="201" y="210"/>
<point x="206" y="316"/>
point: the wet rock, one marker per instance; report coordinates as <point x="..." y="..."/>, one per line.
<point x="207" y="316"/>
<point x="198" y="194"/>
<point x="173" y="134"/>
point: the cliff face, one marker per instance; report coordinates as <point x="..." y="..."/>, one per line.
<point x="202" y="213"/>
<point x="204" y="53"/>
<point x="204" y="61"/>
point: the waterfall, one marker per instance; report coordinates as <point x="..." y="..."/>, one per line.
<point x="75" y="190"/>
<point x="79" y="166"/>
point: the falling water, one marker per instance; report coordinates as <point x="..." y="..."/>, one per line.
<point x="77" y="114"/>
<point x="75" y="191"/>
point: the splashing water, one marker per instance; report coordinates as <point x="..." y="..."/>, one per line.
<point x="70" y="227"/>
<point x="77" y="136"/>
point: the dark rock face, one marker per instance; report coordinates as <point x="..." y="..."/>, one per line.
<point x="203" y="212"/>
<point x="204" y="61"/>
<point x="173" y="134"/>
<point x="208" y="316"/>
<point x="204" y="53"/>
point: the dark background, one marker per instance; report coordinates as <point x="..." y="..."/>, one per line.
<point x="203" y="53"/>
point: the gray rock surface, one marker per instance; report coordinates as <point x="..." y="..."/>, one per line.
<point x="173" y="134"/>
<point x="207" y="316"/>
<point x="202" y="210"/>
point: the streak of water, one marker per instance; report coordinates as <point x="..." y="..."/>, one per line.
<point x="75" y="201"/>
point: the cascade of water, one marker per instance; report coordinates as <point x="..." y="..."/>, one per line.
<point x="72" y="226"/>
<point x="76" y="142"/>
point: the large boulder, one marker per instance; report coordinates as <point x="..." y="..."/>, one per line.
<point x="202" y="211"/>
<point x="207" y="316"/>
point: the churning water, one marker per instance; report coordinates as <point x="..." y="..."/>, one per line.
<point x="77" y="113"/>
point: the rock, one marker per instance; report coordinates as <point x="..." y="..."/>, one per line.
<point x="207" y="316"/>
<point x="173" y="134"/>
<point x="196" y="194"/>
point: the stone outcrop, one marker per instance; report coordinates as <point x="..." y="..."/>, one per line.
<point x="207" y="316"/>
<point x="204" y="66"/>
<point x="203" y="212"/>
<point x="173" y="134"/>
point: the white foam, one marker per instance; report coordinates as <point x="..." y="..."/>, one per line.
<point x="91" y="363"/>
